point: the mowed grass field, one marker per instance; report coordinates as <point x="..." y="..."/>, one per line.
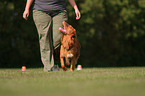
<point x="129" y="81"/>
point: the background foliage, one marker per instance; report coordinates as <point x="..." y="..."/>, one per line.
<point x="111" y="33"/>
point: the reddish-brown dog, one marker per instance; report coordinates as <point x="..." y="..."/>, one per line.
<point x="70" y="47"/>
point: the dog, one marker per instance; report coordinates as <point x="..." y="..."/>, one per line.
<point x="70" y="47"/>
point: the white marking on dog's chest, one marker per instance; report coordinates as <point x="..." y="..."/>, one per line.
<point x="70" y="55"/>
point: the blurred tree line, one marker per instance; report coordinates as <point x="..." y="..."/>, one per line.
<point x="111" y="33"/>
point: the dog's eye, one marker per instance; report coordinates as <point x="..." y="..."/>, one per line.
<point x="73" y="37"/>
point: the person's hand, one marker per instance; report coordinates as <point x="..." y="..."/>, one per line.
<point x="78" y="14"/>
<point x="26" y="14"/>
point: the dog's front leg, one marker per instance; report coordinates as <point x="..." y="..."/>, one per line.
<point x="62" y="64"/>
<point x="72" y="67"/>
<point x="62" y="56"/>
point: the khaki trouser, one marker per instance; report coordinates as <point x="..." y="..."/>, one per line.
<point x="47" y="25"/>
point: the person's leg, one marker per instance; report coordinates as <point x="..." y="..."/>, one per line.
<point x="57" y="22"/>
<point x="43" y="24"/>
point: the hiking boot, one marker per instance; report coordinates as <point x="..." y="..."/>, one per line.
<point x="55" y="68"/>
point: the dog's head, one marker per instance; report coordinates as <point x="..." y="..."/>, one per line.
<point x="67" y="29"/>
<point x="69" y="35"/>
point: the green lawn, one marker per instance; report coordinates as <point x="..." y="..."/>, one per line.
<point x="87" y="82"/>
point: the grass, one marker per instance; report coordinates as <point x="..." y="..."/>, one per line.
<point x="87" y="82"/>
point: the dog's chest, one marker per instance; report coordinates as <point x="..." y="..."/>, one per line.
<point x="69" y="54"/>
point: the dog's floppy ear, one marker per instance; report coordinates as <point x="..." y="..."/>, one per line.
<point x="72" y="30"/>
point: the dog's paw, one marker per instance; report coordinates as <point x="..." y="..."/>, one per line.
<point x="64" y="69"/>
<point x="71" y="69"/>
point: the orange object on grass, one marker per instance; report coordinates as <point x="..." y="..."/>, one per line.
<point x="23" y="68"/>
<point x="79" y="67"/>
